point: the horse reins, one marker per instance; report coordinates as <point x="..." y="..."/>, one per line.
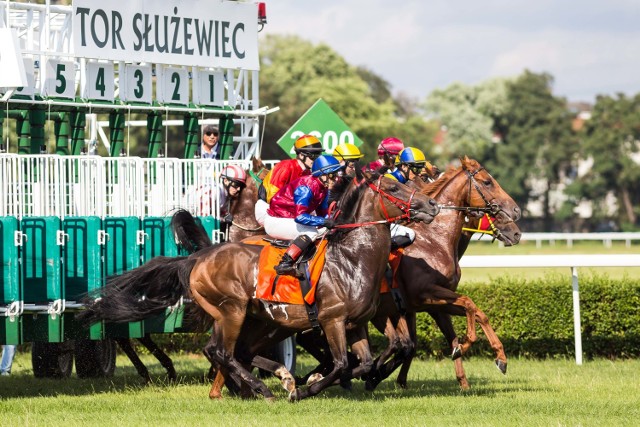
<point x="404" y="206"/>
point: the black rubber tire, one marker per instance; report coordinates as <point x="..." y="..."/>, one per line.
<point x="95" y="359"/>
<point x="52" y="360"/>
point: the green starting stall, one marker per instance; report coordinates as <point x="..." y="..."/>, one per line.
<point x="71" y="81"/>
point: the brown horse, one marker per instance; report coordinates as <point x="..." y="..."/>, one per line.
<point x="221" y="279"/>
<point x="243" y="225"/>
<point x="429" y="271"/>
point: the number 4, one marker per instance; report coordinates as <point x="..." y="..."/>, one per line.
<point x="100" y="84"/>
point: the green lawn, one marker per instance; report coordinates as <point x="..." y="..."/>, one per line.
<point x="533" y="393"/>
<point x="484" y="247"/>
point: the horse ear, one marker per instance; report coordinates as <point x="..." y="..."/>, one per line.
<point x="464" y="161"/>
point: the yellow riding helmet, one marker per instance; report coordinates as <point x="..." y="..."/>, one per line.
<point x="308" y="143"/>
<point x="411" y="155"/>
<point x="347" y="151"/>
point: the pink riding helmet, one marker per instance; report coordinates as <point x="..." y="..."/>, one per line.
<point x="234" y="173"/>
<point x="392" y="146"/>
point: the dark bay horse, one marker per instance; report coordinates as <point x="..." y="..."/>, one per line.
<point x="221" y="279"/>
<point x="429" y="272"/>
<point x="243" y="225"/>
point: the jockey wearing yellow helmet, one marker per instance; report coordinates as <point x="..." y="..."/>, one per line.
<point x="348" y="155"/>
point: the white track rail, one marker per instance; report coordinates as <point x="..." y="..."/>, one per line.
<point x="570" y="261"/>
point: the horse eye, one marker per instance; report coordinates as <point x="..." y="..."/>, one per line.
<point x="487" y="182"/>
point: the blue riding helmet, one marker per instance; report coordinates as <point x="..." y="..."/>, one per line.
<point x="324" y="165"/>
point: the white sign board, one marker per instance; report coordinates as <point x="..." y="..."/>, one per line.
<point x="11" y="63"/>
<point x="205" y="33"/>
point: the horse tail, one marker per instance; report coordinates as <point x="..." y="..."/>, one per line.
<point x="139" y="293"/>
<point x="188" y="233"/>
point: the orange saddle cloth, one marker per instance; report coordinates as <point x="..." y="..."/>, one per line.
<point x="272" y="287"/>
<point x="394" y="260"/>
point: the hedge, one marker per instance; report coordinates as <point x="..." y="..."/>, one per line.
<point x="533" y="318"/>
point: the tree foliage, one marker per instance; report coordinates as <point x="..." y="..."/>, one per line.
<point x="538" y="146"/>
<point x="295" y="73"/>
<point x="612" y="141"/>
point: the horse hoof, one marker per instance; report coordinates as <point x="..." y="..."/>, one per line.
<point x="346" y="385"/>
<point x="502" y="366"/>
<point x="314" y="379"/>
<point x="294" y="396"/>
<point x="456" y="353"/>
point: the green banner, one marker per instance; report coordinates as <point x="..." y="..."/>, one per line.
<point x="322" y="122"/>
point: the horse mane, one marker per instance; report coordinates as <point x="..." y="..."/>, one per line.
<point x="432" y="189"/>
<point x="346" y="193"/>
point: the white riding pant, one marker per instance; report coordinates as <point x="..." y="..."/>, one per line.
<point x="401" y="230"/>
<point x="288" y="229"/>
<point x="261" y="211"/>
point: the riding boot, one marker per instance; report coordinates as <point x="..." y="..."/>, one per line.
<point x="400" y="242"/>
<point x="295" y="249"/>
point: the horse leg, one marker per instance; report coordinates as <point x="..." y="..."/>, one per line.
<point x="125" y="345"/>
<point x="359" y="342"/>
<point x="162" y="357"/>
<point x="494" y="341"/>
<point x="380" y="368"/>
<point x="336" y="337"/>
<point x="463" y="305"/>
<point x="443" y="320"/>
<point x="410" y="320"/>
<point x="314" y="346"/>
<point x="279" y="370"/>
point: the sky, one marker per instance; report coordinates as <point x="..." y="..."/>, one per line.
<point x="590" y="47"/>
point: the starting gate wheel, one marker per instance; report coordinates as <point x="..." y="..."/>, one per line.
<point x="95" y="358"/>
<point x="286" y="354"/>
<point x="52" y="360"/>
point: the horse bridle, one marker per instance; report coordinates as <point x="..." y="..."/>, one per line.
<point x="404" y="206"/>
<point x="491" y="210"/>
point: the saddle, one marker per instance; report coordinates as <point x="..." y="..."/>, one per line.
<point x="286" y="289"/>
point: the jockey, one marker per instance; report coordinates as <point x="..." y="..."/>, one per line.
<point x="307" y="149"/>
<point x="392" y="147"/>
<point x="348" y="155"/>
<point x="299" y="209"/>
<point x="409" y="165"/>
<point x="234" y="179"/>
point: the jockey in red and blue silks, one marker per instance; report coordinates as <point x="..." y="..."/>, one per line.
<point x="298" y="210"/>
<point x="307" y="149"/>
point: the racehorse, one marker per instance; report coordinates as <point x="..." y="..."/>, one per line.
<point x="221" y="279"/>
<point x="429" y="271"/>
<point x="243" y="225"/>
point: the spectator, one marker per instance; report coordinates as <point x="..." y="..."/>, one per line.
<point x="8" y="352"/>
<point x="210" y="148"/>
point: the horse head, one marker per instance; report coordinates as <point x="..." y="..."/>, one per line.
<point x="485" y="192"/>
<point x="398" y="201"/>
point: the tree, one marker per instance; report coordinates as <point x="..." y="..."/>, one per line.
<point x="469" y="115"/>
<point x="295" y="73"/>
<point x="611" y="141"/>
<point x="538" y="147"/>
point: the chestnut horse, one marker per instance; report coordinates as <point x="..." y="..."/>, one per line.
<point x="429" y="271"/>
<point x="243" y="225"/>
<point x="221" y="279"/>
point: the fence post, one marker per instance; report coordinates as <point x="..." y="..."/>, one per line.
<point x="576" y="315"/>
